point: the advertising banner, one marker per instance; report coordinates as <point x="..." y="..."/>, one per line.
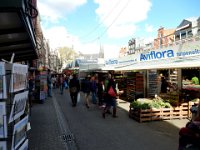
<point x="184" y="54"/>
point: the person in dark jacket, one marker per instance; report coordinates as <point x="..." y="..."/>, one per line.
<point x="164" y="85"/>
<point x="74" y="87"/>
<point x="93" y="88"/>
<point x="100" y="92"/>
<point x="86" y="90"/>
<point x="49" y="82"/>
<point x="110" y="100"/>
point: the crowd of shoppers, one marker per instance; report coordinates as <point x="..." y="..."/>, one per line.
<point x="98" y="87"/>
<point x="95" y="89"/>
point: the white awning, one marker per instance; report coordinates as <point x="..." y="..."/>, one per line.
<point x="183" y="62"/>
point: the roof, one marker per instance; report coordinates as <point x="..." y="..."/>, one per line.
<point x="184" y="24"/>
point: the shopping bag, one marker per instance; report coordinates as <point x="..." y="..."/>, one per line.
<point x="111" y="92"/>
<point x="65" y="85"/>
<point x="78" y="97"/>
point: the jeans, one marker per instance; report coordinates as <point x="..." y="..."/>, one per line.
<point x="49" y="92"/>
<point x="74" y="98"/>
<point x="61" y="89"/>
<point x="94" y="97"/>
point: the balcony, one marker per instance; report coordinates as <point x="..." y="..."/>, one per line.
<point x="16" y="31"/>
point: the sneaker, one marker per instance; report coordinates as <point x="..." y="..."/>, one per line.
<point x="87" y="106"/>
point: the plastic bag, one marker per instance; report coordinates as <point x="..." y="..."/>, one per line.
<point x="65" y="85"/>
<point x="78" y="97"/>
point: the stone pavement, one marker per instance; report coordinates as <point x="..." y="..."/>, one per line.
<point x="45" y="132"/>
<point x="48" y="125"/>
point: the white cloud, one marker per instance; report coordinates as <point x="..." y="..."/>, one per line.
<point x="90" y="48"/>
<point x="56" y="9"/>
<point x="122" y="16"/>
<point x="110" y="50"/>
<point x="149" y="28"/>
<point x="58" y="37"/>
<point x="118" y="25"/>
<point x="121" y="31"/>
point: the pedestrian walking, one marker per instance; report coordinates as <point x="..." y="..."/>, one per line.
<point x="93" y="86"/>
<point x="111" y="101"/>
<point x="100" y="91"/>
<point x="86" y="90"/>
<point x="61" y="83"/>
<point x="54" y="81"/>
<point x="31" y="86"/>
<point x="74" y="87"/>
<point x="49" y="83"/>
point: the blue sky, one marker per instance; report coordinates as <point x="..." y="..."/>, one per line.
<point x="85" y="24"/>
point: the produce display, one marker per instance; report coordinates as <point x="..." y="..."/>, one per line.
<point x="144" y="103"/>
<point x="145" y="109"/>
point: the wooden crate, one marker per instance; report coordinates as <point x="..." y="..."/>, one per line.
<point x="179" y="112"/>
<point x="145" y="115"/>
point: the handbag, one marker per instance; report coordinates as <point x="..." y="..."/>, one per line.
<point x="111" y="92"/>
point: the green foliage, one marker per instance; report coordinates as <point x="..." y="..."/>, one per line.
<point x="153" y="104"/>
<point x="135" y="104"/>
<point x="173" y="102"/>
<point x="67" y="53"/>
<point x="145" y="106"/>
<point x="139" y="105"/>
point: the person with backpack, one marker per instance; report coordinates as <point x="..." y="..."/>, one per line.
<point x="74" y="88"/>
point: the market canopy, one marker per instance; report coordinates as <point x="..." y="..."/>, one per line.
<point x="184" y="55"/>
<point x="186" y="62"/>
<point x="93" y="64"/>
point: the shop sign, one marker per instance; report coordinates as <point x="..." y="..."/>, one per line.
<point x="156" y="55"/>
<point x="111" y="62"/>
<point x="188" y="53"/>
<point x="176" y="53"/>
<point x="182" y="50"/>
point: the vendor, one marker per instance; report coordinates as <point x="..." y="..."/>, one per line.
<point x="164" y="84"/>
<point x="195" y="80"/>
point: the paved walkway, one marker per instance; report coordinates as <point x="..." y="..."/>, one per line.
<point x="50" y="127"/>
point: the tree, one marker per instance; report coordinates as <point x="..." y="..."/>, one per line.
<point x="67" y="54"/>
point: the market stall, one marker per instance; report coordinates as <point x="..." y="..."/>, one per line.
<point x="164" y="71"/>
<point x="41" y="85"/>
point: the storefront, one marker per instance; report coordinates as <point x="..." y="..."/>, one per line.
<point x="174" y="63"/>
<point x="17" y="50"/>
